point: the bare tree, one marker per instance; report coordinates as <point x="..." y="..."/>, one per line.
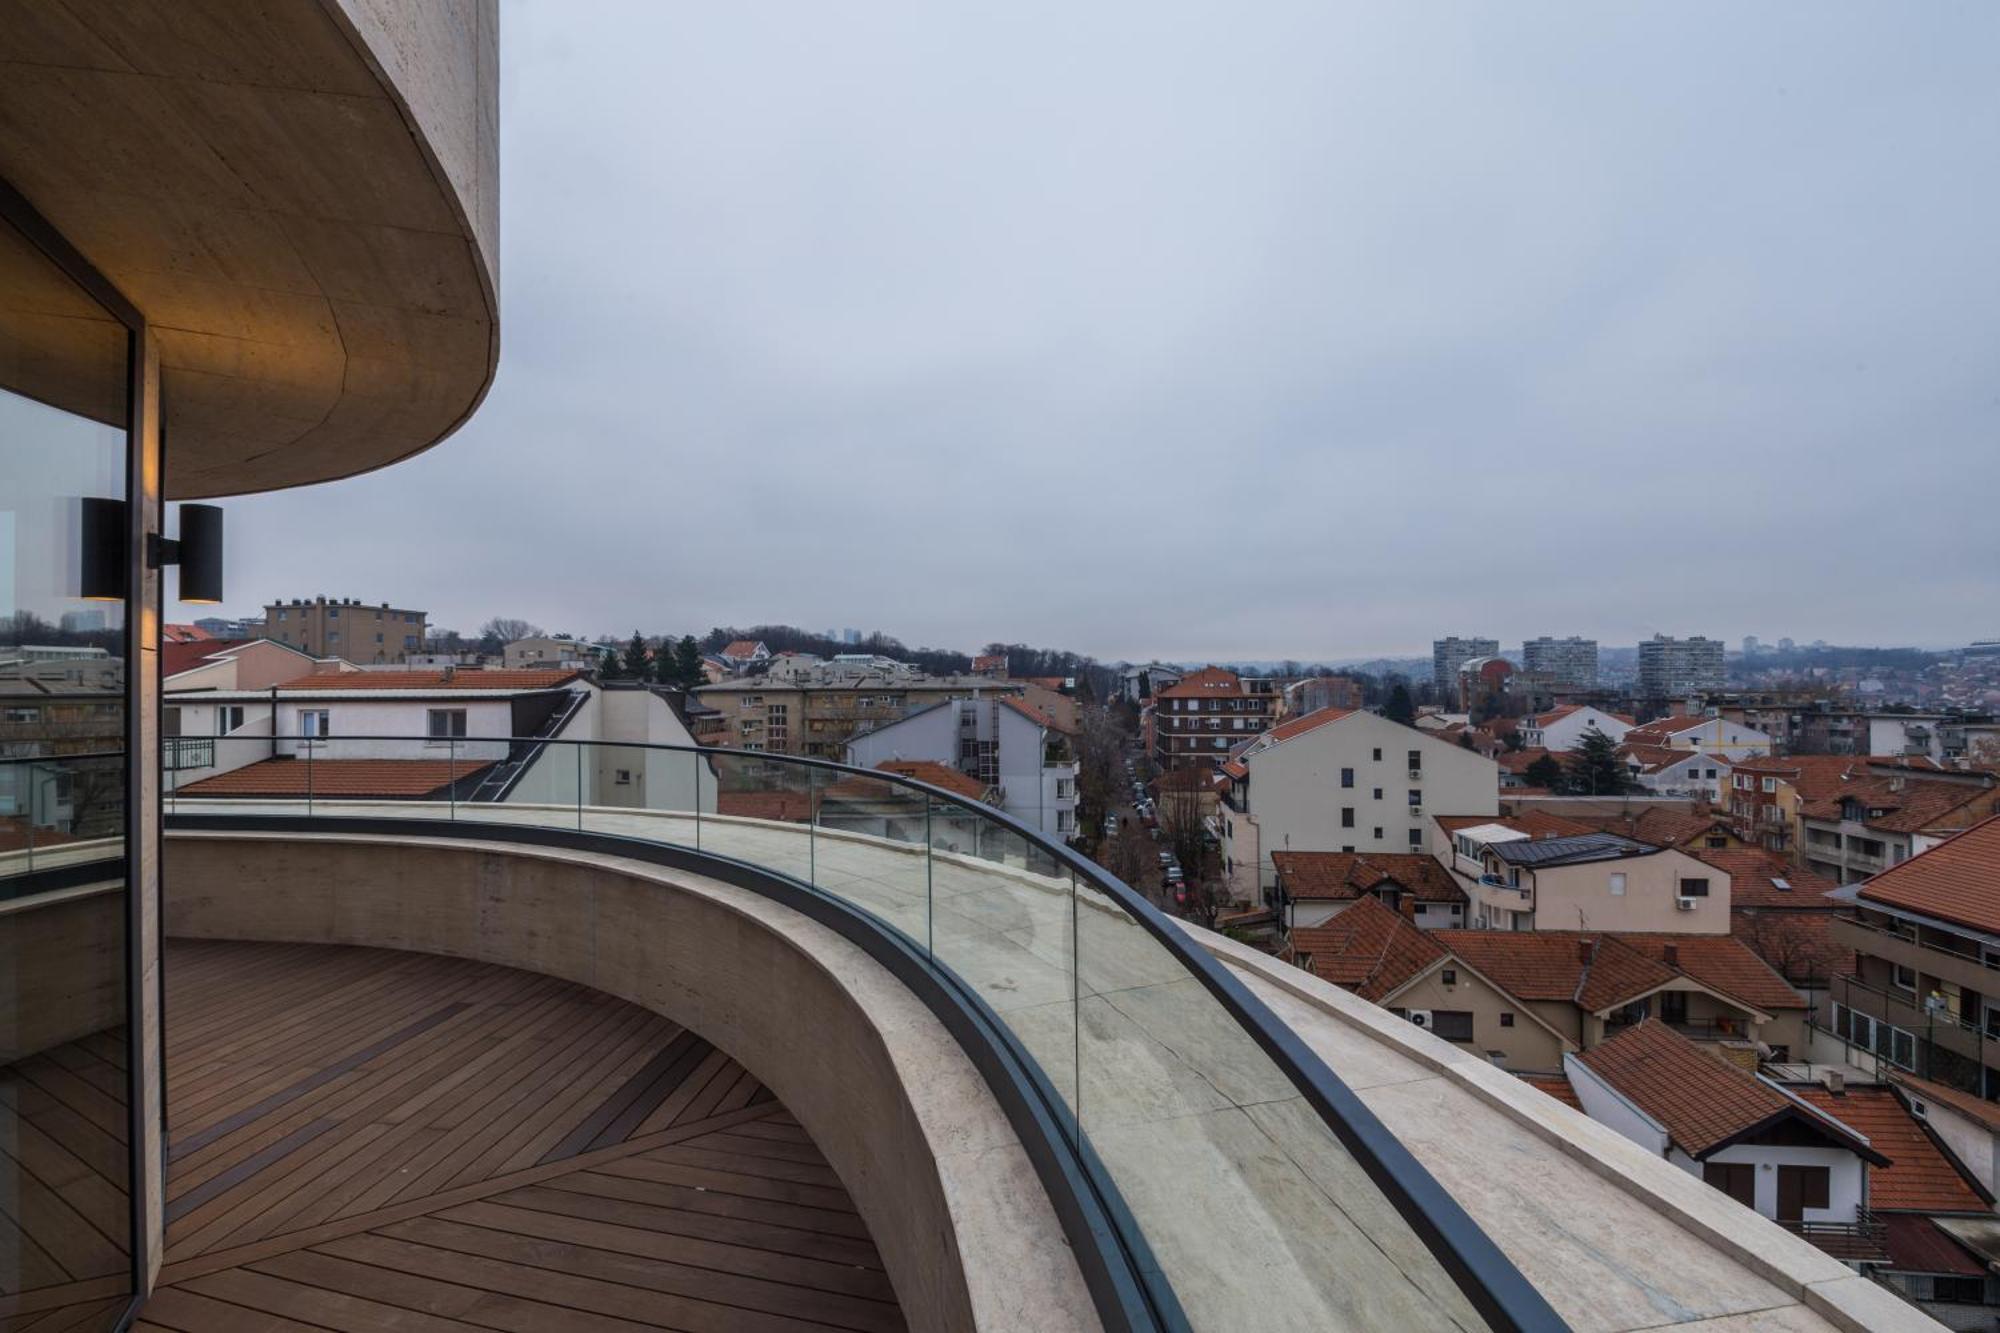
<point x="503" y="630"/>
<point x="1182" y="808"/>
<point x="1786" y="941"/>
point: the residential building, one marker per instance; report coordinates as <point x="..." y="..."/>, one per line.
<point x="1483" y="684"/>
<point x="1317" y="692"/>
<point x="741" y="655"/>
<point x="1315" y="887"/>
<point x="544" y="652"/>
<point x="369" y="634"/>
<point x="1764" y="1145"/>
<point x="817" y="709"/>
<point x="1881" y="815"/>
<point x="1525" y="1001"/>
<point x="1673" y="668"/>
<point x="1923" y="997"/>
<point x="1200" y="717"/>
<point x="1005" y="744"/>
<point x="1342" y="781"/>
<point x="1703" y="733"/>
<point x="1137" y="684"/>
<point x="1782" y="914"/>
<point x="1670" y="771"/>
<point x="1449" y="654"/>
<point x="1515" y="880"/>
<point x="1562" y="727"/>
<point x="1853" y="732"/>
<point x="1571" y="662"/>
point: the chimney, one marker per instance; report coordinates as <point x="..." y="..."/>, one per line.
<point x="1583" y="951"/>
<point x="450" y="670"/>
<point x="1835" y="1081"/>
<point x="1672" y="955"/>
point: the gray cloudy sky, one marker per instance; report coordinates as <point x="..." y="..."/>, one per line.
<point x="1251" y="330"/>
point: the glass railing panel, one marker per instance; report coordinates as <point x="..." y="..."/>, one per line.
<point x="872" y="847"/>
<point x="1244" y="1195"/>
<point x="760" y="809"/>
<point x="1004" y="920"/>
<point x="641" y="791"/>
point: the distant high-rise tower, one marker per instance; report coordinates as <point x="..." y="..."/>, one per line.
<point x="1670" y="668"/>
<point x="1786" y="645"/>
<point x="1571" y="661"/>
<point x="1448" y="655"/>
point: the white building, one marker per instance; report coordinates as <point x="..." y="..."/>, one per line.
<point x="1002" y="742"/>
<point x="1709" y="735"/>
<point x="1570" y="661"/>
<point x="1666" y="772"/>
<point x="1674" y="668"/>
<point x="1561" y="728"/>
<point x="1343" y="781"/>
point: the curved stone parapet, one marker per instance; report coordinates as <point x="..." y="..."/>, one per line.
<point x="935" y="1168"/>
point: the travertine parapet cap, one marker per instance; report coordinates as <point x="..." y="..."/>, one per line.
<point x="301" y="197"/>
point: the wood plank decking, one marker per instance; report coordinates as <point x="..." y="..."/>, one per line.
<point x="367" y="1139"/>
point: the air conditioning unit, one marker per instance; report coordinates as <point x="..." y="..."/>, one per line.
<point x="1416" y="810"/>
<point x="1421" y="1017"/>
<point x="1685" y="904"/>
<point x="1416" y="775"/>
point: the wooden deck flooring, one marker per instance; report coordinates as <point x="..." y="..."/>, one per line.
<point x="366" y="1139"/>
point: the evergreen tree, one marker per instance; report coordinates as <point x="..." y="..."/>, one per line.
<point x="1546" y="771"/>
<point x="1593" y="767"/>
<point x="1399" y="708"/>
<point x="687" y="663"/>
<point x="635" y="666"/>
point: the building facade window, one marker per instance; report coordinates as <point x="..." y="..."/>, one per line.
<point x="445" y="724"/>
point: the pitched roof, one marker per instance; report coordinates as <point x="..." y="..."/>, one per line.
<point x="1350" y="875"/>
<point x="989" y="661"/>
<point x="463" y="679"/>
<point x="1655" y="824"/>
<point x="1897" y="804"/>
<point x="1574" y="849"/>
<point x="1958" y="880"/>
<point x="1812" y="775"/>
<point x="1519" y="761"/>
<point x="1299" y="726"/>
<point x="1027" y="710"/>
<point x="1755" y="875"/>
<point x="1654" y="758"/>
<point x="1704" y="1103"/>
<point x="1370" y="949"/>
<point x="938" y="775"/>
<point x="740" y="648"/>
<point x="178" y="655"/>
<point x="1530" y="823"/>
<point x="1599" y="971"/>
<point x="1556" y="1086"/>
<point x="1207" y="683"/>
<point x="1920" y="1177"/>
<point x="330" y="779"/>
<point x="183" y="634"/>
<point x="1965" y="1103"/>
<point x="1661" y="728"/>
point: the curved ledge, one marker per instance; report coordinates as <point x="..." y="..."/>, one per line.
<point x="933" y="1162"/>
<point x="300" y="199"/>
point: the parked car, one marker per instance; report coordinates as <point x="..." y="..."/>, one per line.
<point x="1166" y="859"/>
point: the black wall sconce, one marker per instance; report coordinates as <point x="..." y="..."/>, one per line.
<point x="198" y="551"/>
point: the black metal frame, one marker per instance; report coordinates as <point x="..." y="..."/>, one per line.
<point x="1487" y="1278"/>
<point x="15" y="210"/>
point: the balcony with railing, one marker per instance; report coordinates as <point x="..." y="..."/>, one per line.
<point x="1181" y="1144"/>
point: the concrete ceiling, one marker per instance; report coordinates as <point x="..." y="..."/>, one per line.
<point x="300" y="195"/>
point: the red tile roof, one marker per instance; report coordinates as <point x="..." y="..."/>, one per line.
<point x="1299" y="726"/>
<point x="1657" y="825"/>
<point x="1028" y="710"/>
<point x="1519" y="761"/>
<point x="1599" y="971"/>
<point x="1752" y="872"/>
<point x="178" y="655"/>
<point x="1533" y="823"/>
<point x="1207" y="683"/>
<point x="1965" y="1103"/>
<point x="1917" y="1244"/>
<point x="740" y="648"/>
<point x="332" y="779"/>
<point x="1556" y="1086"/>
<point x="1654" y="758"/>
<point x="1350" y="875"/>
<point x="988" y="661"/>
<point x="1958" y="880"/>
<point x="938" y="775"/>
<point x="462" y="679"/>
<point x="1703" y="1102"/>
<point x="1919" y="1177"/>
<point x="1905" y="805"/>
<point x="1662" y="728"/>
<point x="183" y="634"/>
<point x="1369" y="949"/>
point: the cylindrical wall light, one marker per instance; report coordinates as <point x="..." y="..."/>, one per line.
<point x="101" y="568"/>
<point x="201" y="553"/>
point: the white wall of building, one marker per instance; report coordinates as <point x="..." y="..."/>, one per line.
<point x="1039" y="794"/>
<point x="1566" y="731"/>
<point x="1295" y="797"/>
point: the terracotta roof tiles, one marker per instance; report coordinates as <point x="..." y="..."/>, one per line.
<point x="1369" y="949"/>
<point x="334" y="779"/>
<point x="1919" y="1177"/>
<point x="463" y="679"/>
<point x="1351" y="875"/>
<point x="1958" y="880"/>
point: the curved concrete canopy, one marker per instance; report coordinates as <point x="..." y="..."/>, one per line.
<point x="302" y="199"/>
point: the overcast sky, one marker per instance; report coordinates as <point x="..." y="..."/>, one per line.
<point x="1219" y="331"/>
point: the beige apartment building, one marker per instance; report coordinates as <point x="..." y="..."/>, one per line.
<point x="344" y="627"/>
<point x="818" y="715"/>
<point x="1516" y="880"/>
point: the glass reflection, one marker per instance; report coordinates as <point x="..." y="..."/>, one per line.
<point x="65" y="1224"/>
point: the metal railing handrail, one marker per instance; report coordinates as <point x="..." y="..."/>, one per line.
<point x="1489" y="1281"/>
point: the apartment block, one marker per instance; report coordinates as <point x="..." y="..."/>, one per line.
<point x="1569" y="662"/>
<point x="1449" y="654"/>
<point x="817" y="711"/>
<point x="369" y="634"/>
<point x="1200" y="718"/>
<point x="1671" y="668"/>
